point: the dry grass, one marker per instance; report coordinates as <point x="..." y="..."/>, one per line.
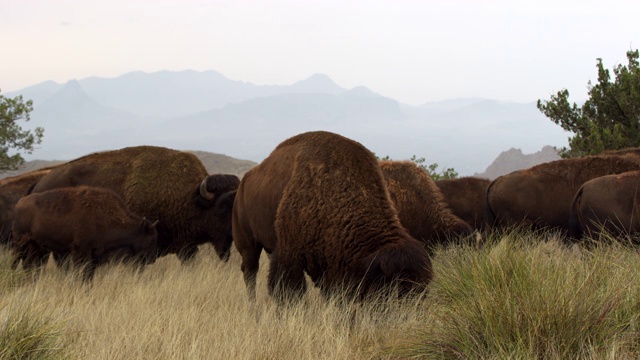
<point x="199" y="311"/>
<point x="520" y="296"/>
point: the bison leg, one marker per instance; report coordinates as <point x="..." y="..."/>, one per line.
<point x="33" y="257"/>
<point x="250" y="266"/>
<point x="89" y="271"/>
<point x="223" y="248"/>
<point x="20" y="254"/>
<point x="286" y="281"/>
<point x="86" y="263"/>
<point x="62" y="260"/>
<point x="187" y="253"/>
<point x="16" y="261"/>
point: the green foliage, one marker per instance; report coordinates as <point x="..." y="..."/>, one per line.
<point x="609" y="119"/>
<point x="524" y="296"/>
<point x="431" y="169"/>
<point x="12" y="137"/>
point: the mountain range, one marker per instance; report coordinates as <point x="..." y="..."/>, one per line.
<point x="205" y="111"/>
<point x="214" y="163"/>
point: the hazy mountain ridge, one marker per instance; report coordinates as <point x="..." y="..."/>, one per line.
<point x="214" y="163"/>
<point x="167" y="94"/>
<point x="513" y="159"/>
<point x="247" y="121"/>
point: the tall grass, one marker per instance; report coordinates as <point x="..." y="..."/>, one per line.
<point x="527" y="296"/>
<point x="521" y="295"/>
<point x="26" y="331"/>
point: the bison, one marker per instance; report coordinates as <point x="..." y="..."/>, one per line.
<point x="608" y="202"/>
<point x="319" y="204"/>
<point x="541" y="196"/>
<point x="467" y="197"/>
<point x="420" y="205"/>
<point x="11" y="190"/>
<point x="172" y="186"/>
<point x="87" y="224"/>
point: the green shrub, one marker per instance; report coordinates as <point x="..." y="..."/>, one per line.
<point x="524" y="297"/>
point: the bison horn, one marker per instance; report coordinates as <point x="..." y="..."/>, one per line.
<point x="204" y="192"/>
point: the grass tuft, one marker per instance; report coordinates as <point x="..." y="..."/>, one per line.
<point x="28" y="334"/>
<point x="518" y="298"/>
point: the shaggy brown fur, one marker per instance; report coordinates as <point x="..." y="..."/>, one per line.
<point x="87" y="224"/>
<point x="319" y="204"/>
<point x="611" y="202"/>
<point x="467" y="197"/>
<point x="163" y="184"/>
<point x="541" y="196"/>
<point x="11" y="190"/>
<point x="421" y="207"/>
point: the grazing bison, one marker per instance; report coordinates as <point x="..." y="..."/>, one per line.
<point x="159" y="183"/>
<point x="319" y="205"/>
<point x="420" y="205"/>
<point x="541" y="196"/>
<point x="610" y="202"/>
<point x="87" y="224"/>
<point x="11" y="190"/>
<point x="467" y="197"/>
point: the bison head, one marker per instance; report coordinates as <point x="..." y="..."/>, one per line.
<point x="217" y="194"/>
<point x="146" y="246"/>
<point x="215" y="185"/>
<point x="406" y="266"/>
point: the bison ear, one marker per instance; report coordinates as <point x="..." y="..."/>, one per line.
<point x="224" y="203"/>
<point x="147" y="226"/>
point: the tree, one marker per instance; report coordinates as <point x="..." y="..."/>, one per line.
<point x="609" y="119"/>
<point x="12" y="137"/>
<point x="431" y="169"/>
<point x="448" y="173"/>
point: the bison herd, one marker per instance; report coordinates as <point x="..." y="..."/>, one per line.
<point x="320" y="204"/>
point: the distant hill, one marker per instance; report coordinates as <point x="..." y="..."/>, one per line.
<point x="513" y="159"/>
<point x="223" y="164"/>
<point x="214" y="163"/>
<point x="205" y="110"/>
<point x="30" y="166"/>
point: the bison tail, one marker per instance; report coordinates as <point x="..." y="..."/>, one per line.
<point x="490" y="216"/>
<point x="575" y="229"/>
<point x="30" y="189"/>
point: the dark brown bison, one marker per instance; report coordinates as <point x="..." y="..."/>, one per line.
<point x="420" y="205"/>
<point x="319" y="205"/>
<point x="610" y="202"/>
<point x="11" y="190"/>
<point x="467" y="197"/>
<point x="159" y="183"/>
<point x="88" y="225"/>
<point x="541" y="196"/>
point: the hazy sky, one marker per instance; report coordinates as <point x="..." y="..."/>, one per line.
<point x="412" y="51"/>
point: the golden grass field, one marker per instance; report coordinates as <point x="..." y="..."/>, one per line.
<point x="199" y="311"/>
<point x="521" y="295"/>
